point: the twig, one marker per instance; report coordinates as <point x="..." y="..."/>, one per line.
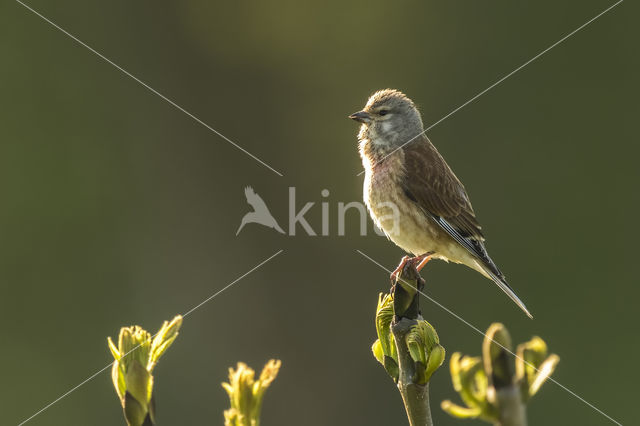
<point x="415" y="396"/>
<point x="413" y="378"/>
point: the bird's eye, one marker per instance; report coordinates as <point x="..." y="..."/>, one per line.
<point x="384" y="112"/>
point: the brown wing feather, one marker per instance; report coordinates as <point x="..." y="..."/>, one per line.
<point x="436" y="189"/>
<point x="430" y="182"/>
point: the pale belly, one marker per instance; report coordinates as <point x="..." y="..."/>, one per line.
<point x="405" y="224"/>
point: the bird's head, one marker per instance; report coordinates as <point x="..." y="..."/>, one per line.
<point x="389" y="118"/>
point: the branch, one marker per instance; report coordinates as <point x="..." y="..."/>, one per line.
<point x="499" y="366"/>
<point x="408" y="346"/>
<point x="414" y="395"/>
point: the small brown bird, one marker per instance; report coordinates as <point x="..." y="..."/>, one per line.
<point x="412" y="193"/>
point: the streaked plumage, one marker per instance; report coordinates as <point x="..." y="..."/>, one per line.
<point x="435" y="213"/>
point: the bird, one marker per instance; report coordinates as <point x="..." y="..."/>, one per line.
<point x="413" y="195"/>
<point x="260" y="213"/>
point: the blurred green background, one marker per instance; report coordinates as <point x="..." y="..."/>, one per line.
<point x="118" y="209"/>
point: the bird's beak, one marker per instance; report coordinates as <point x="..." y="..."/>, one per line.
<point x="361" y="117"/>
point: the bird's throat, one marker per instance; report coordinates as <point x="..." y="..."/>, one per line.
<point x="374" y="150"/>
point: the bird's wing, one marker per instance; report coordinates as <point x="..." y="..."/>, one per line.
<point x="254" y="199"/>
<point x="431" y="183"/>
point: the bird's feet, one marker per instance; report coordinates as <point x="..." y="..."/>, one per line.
<point x="419" y="261"/>
<point x="424" y="259"/>
<point x="396" y="273"/>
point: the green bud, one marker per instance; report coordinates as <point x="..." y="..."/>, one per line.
<point x="533" y="366"/>
<point x="545" y="370"/>
<point x="455" y="410"/>
<point x="483" y="383"/>
<point x="470" y="381"/>
<point x="384" y="349"/>
<point x="384" y="316"/>
<point x="425" y="350"/>
<point x="376" y="348"/>
<point x="436" y="359"/>
<point x="134" y="412"/>
<point x="496" y="353"/>
<point x="246" y="393"/>
<point x="135" y="357"/>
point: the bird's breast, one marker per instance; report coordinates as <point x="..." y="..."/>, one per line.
<point x="399" y="217"/>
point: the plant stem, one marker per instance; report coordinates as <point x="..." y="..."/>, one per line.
<point x="512" y="409"/>
<point x="415" y="396"/>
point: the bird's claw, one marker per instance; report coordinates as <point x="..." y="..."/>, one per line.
<point x="419" y="261"/>
<point x="423" y="260"/>
<point x="396" y="273"/>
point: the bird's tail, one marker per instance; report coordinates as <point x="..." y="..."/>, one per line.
<point x="494" y="273"/>
<point x="507" y="289"/>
